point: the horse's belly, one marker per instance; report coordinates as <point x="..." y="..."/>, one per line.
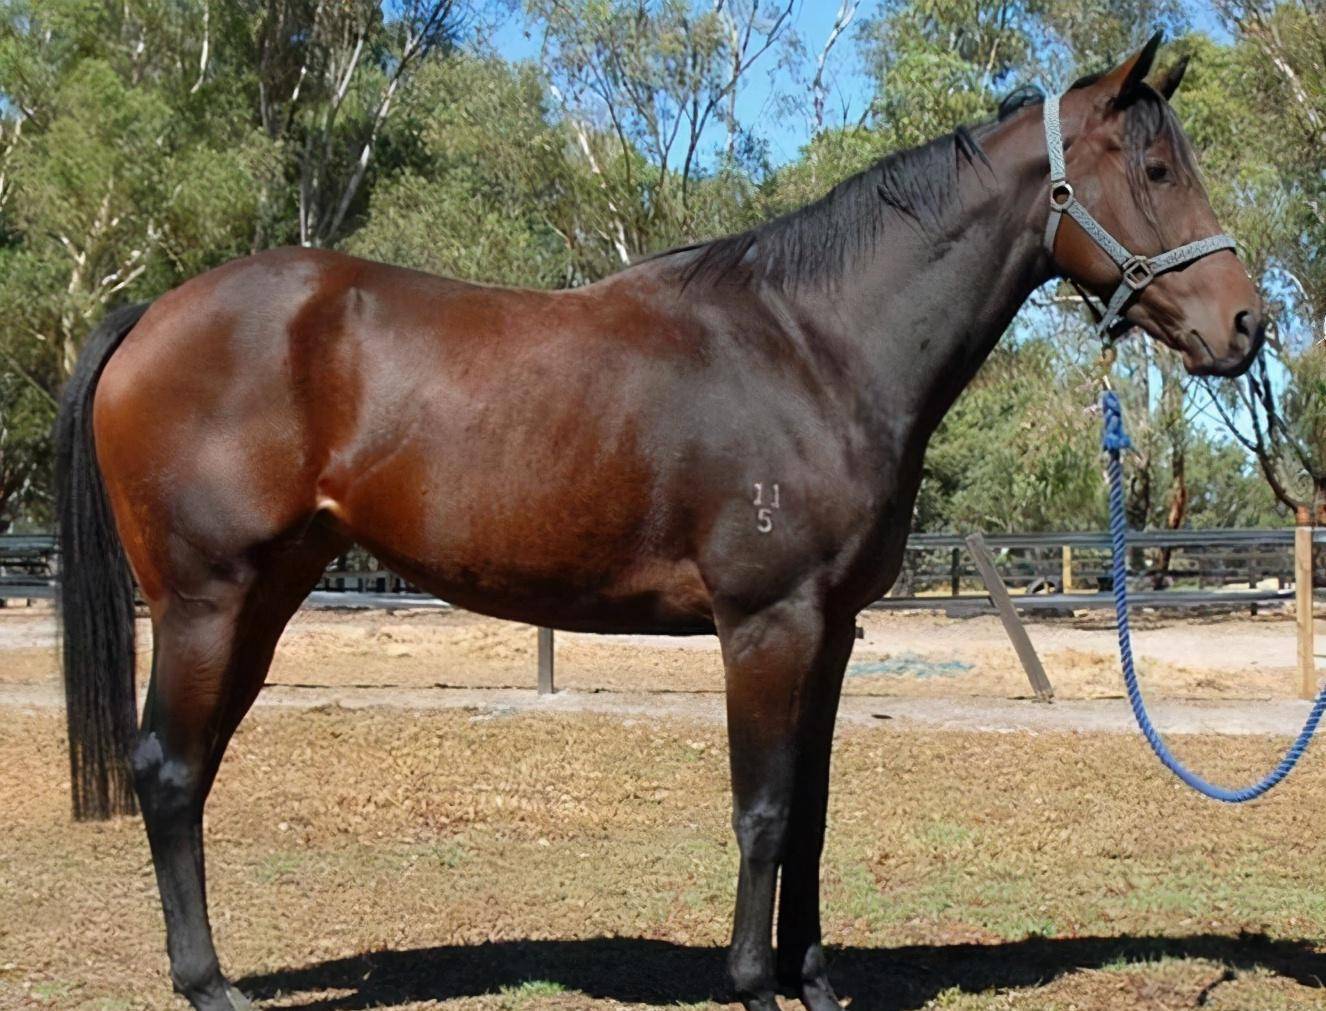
<point x="657" y="598"/>
<point x="530" y="584"/>
<point x="530" y="536"/>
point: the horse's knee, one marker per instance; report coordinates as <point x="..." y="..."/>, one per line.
<point x="167" y="786"/>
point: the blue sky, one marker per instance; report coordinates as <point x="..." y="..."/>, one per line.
<point x="756" y="104"/>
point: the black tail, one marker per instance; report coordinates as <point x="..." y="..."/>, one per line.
<point x="96" y="596"/>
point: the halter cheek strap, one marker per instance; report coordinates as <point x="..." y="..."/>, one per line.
<point x="1137" y="270"/>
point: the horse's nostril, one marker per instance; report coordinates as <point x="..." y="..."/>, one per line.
<point x="1249" y="324"/>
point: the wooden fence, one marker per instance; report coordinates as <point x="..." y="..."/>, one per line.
<point x="1055" y="572"/>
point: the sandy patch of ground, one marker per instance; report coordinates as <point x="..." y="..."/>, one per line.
<point x="910" y="655"/>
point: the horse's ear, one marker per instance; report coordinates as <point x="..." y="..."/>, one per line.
<point x="1170" y="82"/>
<point x="1122" y="82"/>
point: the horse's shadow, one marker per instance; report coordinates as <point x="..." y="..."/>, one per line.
<point x="639" y="971"/>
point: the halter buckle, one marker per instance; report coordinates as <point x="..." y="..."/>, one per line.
<point x="1138" y="272"/>
<point x="1061" y="194"/>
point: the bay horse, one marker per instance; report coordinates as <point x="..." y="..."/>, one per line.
<point x="725" y="438"/>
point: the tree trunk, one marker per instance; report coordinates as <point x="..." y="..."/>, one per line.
<point x="1178" y="509"/>
<point x="1319" y="518"/>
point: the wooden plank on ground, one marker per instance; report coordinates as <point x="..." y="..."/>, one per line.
<point x="1008" y="614"/>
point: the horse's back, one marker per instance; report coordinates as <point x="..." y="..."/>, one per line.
<point x="594" y="458"/>
<point x="492" y="443"/>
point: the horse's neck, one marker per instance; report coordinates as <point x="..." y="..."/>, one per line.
<point x="927" y="310"/>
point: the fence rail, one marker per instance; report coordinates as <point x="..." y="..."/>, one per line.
<point x="1100" y="539"/>
<point x="28" y="566"/>
<point x="1215" y="558"/>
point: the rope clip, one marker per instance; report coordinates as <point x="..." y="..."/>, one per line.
<point x="1109" y="353"/>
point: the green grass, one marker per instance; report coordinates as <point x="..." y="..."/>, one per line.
<point x="516" y="997"/>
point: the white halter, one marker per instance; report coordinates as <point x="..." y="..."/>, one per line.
<point x="1138" y="271"/>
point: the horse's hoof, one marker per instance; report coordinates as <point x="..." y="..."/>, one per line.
<point x="217" y="995"/>
<point x="820" y="997"/>
<point x="764" y="1002"/>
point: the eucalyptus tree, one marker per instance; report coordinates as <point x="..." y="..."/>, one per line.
<point x="144" y="141"/>
<point x="116" y="175"/>
<point x="649" y="89"/>
<point x="1271" y="85"/>
<point x="330" y="74"/>
<point x="496" y="192"/>
<point x="121" y="170"/>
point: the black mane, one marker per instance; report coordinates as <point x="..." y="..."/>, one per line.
<point x="916" y="185"/>
<point x="818" y="240"/>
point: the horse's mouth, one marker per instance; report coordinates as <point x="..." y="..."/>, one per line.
<point x="1200" y="360"/>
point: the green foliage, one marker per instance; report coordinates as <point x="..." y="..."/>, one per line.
<point x="1225" y="489"/>
<point x="1091" y="36"/>
<point x="494" y="181"/>
<point x="937" y="63"/>
<point x="25" y="449"/>
<point x="829" y="158"/>
<point x="650" y="91"/>
<point x="1015" y="453"/>
<point x="1257" y="112"/>
<point x="117" y="181"/>
<point x="146" y="141"/>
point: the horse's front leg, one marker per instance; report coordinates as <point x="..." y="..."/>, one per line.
<point x="801" y="964"/>
<point x="773" y="660"/>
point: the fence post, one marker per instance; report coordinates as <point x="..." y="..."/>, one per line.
<point x="1307" y="660"/>
<point x="1066" y="566"/>
<point x="1008" y="614"/>
<point x="546" y="662"/>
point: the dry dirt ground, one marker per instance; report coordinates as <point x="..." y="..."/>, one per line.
<point x="902" y="655"/>
<point x="491" y="860"/>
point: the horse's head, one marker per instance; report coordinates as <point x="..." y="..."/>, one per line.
<point x="1133" y="170"/>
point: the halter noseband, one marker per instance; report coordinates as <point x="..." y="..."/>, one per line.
<point x="1138" y="271"/>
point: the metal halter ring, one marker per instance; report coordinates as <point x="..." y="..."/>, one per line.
<point x="1137" y="272"/>
<point x="1061" y="194"/>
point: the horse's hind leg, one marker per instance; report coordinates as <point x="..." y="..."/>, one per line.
<point x="214" y="639"/>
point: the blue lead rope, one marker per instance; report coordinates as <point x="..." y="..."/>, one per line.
<point x="1114" y="440"/>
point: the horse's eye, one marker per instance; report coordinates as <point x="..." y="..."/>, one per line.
<point x="1157" y="171"/>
